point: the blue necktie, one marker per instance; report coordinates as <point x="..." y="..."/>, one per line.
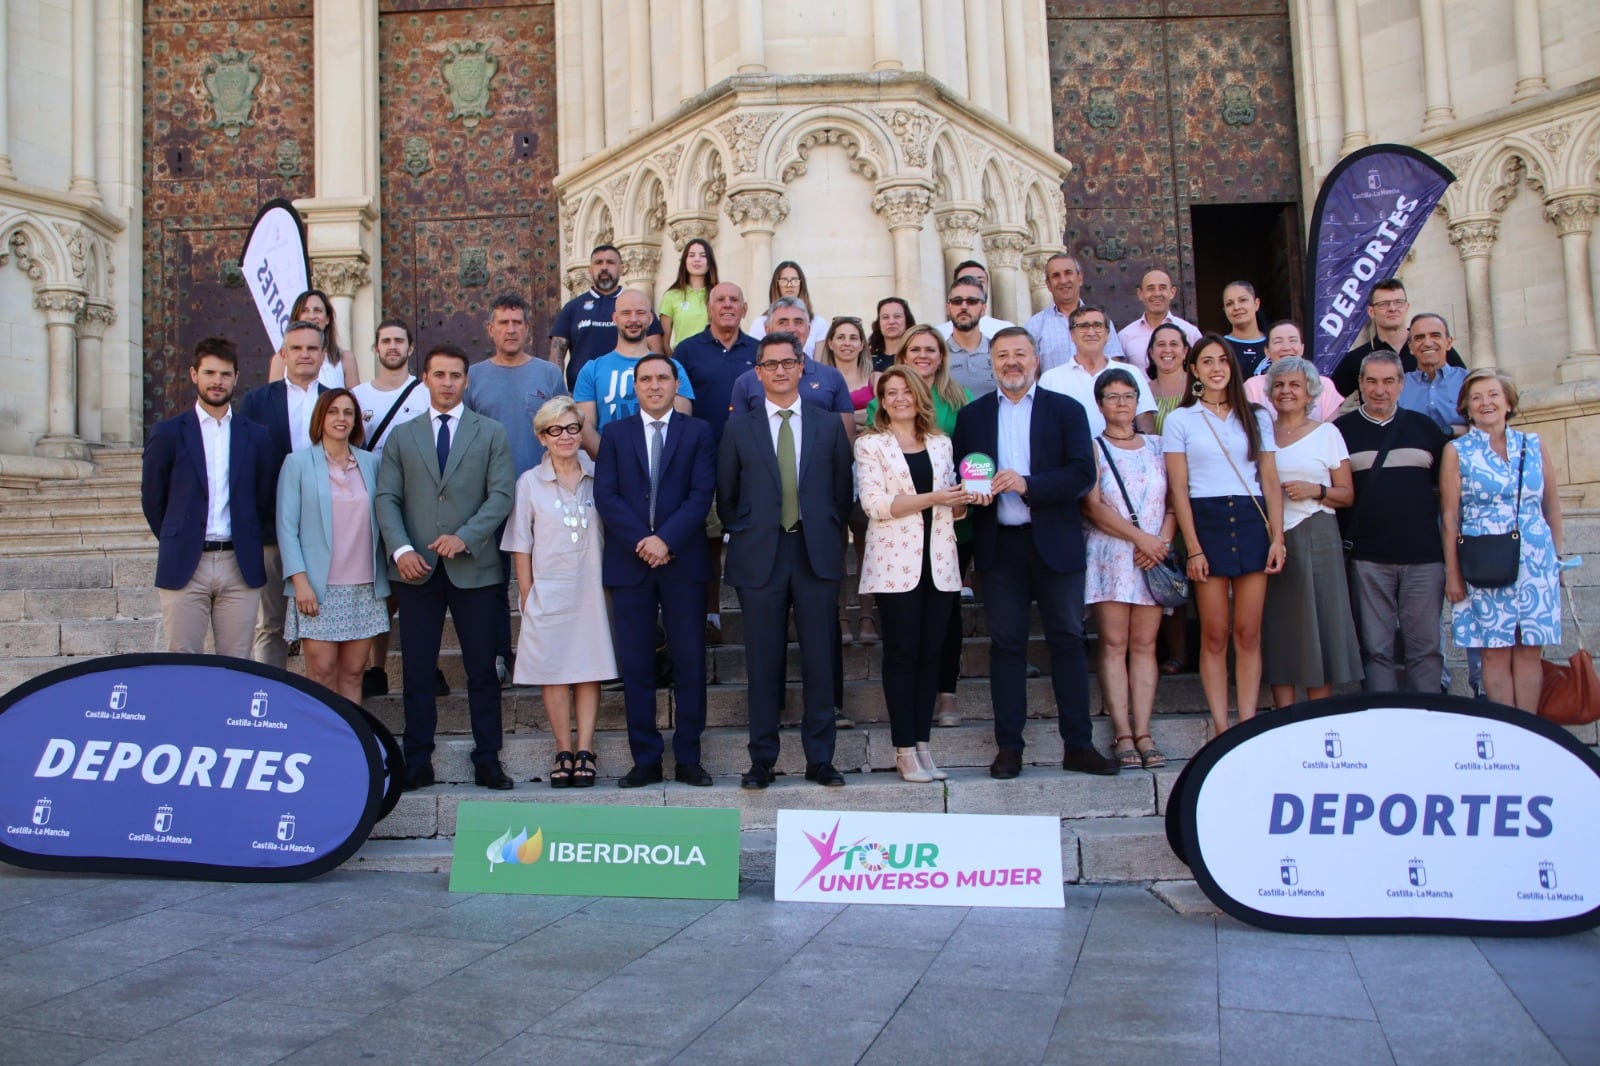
<point x="442" y="445"/>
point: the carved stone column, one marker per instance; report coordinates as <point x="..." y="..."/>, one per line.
<point x="1573" y="214"/>
<point x="1352" y="91"/>
<point x="5" y="135"/>
<point x="340" y="278"/>
<point x="1474" y="238"/>
<point x="84" y="94"/>
<point x="685" y="226"/>
<point x="641" y="259"/>
<point x="640" y="105"/>
<point x="97" y="318"/>
<point x="757" y="212"/>
<point x="1034" y="259"/>
<point x="958" y="222"/>
<point x="1530" y="50"/>
<point x="1435" y="67"/>
<point x="1002" y="250"/>
<point x="904" y="207"/>
<point x="61" y="309"/>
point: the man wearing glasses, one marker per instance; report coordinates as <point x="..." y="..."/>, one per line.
<point x="783" y="493"/>
<point x="1076" y="377"/>
<point x="1388" y="309"/>
<point x="970" y="364"/>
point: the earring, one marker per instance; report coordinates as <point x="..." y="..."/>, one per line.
<point x="1197" y="389"/>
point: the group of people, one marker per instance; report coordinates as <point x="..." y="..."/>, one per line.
<point x="659" y="452"/>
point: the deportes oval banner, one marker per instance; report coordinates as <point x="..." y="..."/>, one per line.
<point x="187" y="765"/>
<point x="1395" y="813"/>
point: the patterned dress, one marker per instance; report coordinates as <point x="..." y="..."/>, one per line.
<point x="1488" y="618"/>
<point x="1112" y="576"/>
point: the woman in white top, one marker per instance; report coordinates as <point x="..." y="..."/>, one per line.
<point x="1309" y="633"/>
<point x="1224" y="483"/>
<point x="339" y="370"/>
<point x="789" y="280"/>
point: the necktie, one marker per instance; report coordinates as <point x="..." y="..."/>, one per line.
<point x="443" y="443"/>
<point x="788" y="480"/>
<point x="655" y="466"/>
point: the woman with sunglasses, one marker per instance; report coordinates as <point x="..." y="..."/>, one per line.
<point x="554" y="539"/>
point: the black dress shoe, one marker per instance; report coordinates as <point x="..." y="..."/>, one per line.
<point x="692" y="773"/>
<point x="758" y="776"/>
<point x="417" y="777"/>
<point x="1090" y="761"/>
<point x="1007" y="764"/>
<point x="640" y="776"/>
<point x="492" y="776"/>
<point x="374" y="682"/>
<point x="824" y="773"/>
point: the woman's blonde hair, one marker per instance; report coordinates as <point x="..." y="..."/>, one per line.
<point x="1487" y="373"/>
<point x="553" y="410"/>
<point x="925" y="423"/>
<point x="943" y="383"/>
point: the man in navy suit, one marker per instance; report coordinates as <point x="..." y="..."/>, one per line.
<point x="284" y="407"/>
<point x="208" y="491"/>
<point x="653" y="480"/>
<point x="1027" y="538"/>
<point x="783" y="494"/>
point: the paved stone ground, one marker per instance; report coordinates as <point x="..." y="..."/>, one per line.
<point x="393" y="967"/>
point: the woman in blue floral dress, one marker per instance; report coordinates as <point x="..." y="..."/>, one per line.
<point x="1478" y="494"/>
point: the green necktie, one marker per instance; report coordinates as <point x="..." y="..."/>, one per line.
<point x="788" y="480"/>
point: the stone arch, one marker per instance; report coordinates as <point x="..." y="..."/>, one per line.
<point x="1583" y="159"/>
<point x="595" y="224"/>
<point x="865" y="143"/>
<point x="1494" y="178"/>
<point x="951" y="179"/>
<point x="995" y="193"/>
<point x="644" y="205"/>
<point x="39" y="250"/>
<point x="1044" y="228"/>
<point x="702" y="179"/>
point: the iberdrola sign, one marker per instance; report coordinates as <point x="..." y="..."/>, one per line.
<point x="579" y="850"/>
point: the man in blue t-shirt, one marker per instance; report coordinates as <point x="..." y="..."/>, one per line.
<point x="604" y="390"/>
<point x="717" y="356"/>
<point x="584" y="328"/>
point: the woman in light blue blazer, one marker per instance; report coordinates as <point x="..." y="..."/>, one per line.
<point x="333" y="561"/>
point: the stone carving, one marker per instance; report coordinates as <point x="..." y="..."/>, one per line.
<point x="1238" y="106"/>
<point x="616" y="189"/>
<point x="230" y="80"/>
<point x="60" y="305"/>
<point x="97" y="318"/>
<point x="1572" y="214"/>
<point x="668" y="160"/>
<point x="468" y="71"/>
<point x="604" y="232"/>
<point x="958" y="229"/>
<point x="905" y="206"/>
<point x="684" y="230"/>
<point x="1102" y="111"/>
<point x="569" y="221"/>
<point x="1004" y="250"/>
<point x="843" y="138"/>
<point x="418" y="156"/>
<point x="1033" y="265"/>
<point x="757" y="209"/>
<point x="340" y="277"/>
<point x="288" y="163"/>
<point x="716" y="183"/>
<point x="913" y="129"/>
<point x="640" y="262"/>
<point x="232" y="274"/>
<point x="474" y="269"/>
<point x="77" y="240"/>
<point x="1555" y="137"/>
<point x="30" y="260"/>
<point x="577" y="280"/>
<point x="1474" y="240"/>
<point x="743" y="133"/>
<point x="655" y="215"/>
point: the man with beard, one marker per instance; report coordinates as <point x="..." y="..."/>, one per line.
<point x="604" y="391"/>
<point x="1050" y="329"/>
<point x="208" y="493"/>
<point x="585" y="328"/>
<point x="970" y="365"/>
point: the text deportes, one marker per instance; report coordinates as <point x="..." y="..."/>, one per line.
<point x="103" y="760"/>
<point x="1366" y="268"/>
<point x="1400" y="814"/>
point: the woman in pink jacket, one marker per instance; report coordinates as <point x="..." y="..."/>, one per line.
<point x="905" y="471"/>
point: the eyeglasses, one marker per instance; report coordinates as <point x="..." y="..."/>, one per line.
<point x="778" y="364"/>
<point x="1119" y="397"/>
<point x="571" y="429"/>
<point x="1387" y="305"/>
<point x="965" y="301"/>
<point x="1087" y="326"/>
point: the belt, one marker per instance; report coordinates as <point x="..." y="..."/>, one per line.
<point x="1023" y="528"/>
<point x="217" y="546"/>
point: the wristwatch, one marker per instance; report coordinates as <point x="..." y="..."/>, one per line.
<point x="1322" y="493"/>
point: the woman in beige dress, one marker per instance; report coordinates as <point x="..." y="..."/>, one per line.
<point x="555" y="541"/>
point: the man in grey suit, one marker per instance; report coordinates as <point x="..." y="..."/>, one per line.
<point x="444" y="487"/>
<point x="783" y="494"/>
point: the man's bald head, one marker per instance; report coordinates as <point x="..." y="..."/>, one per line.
<point x="725" y="308"/>
<point x="632" y="315"/>
<point x="632" y="298"/>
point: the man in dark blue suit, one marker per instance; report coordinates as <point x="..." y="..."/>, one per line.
<point x="208" y="492"/>
<point x="284" y="407"/>
<point x="1027" y="537"/>
<point x="653" y="480"/>
<point x="783" y="494"/>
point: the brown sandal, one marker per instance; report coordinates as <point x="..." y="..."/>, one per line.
<point x="1129" y="758"/>
<point x="1151" y="757"/>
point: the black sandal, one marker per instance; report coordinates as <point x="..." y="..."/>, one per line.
<point x="583" y="774"/>
<point x="561" y="772"/>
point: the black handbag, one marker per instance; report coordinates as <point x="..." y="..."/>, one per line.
<point x="1491" y="560"/>
<point x="1167" y="581"/>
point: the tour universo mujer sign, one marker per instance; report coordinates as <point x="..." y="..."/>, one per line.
<point x="187" y="765"/>
<point x="1395" y="813"/>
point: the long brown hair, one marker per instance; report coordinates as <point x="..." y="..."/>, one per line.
<point x="954" y="394"/>
<point x="926" y="424"/>
<point x="330" y="338"/>
<point x="804" y="295"/>
<point x="863" y="357"/>
<point x="1238" y="402"/>
<point x="682" y="282"/>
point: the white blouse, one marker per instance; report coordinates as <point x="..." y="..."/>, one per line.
<point x="1210" y="473"/>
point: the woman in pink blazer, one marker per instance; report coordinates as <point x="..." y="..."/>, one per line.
<point x="905" y="472"/>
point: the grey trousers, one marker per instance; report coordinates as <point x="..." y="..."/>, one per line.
<point x="270" y="647"/>
<point x="1413" y="594"/>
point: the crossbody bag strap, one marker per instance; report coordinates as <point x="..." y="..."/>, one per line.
<point x="1132" y="515"/>
<point x="1206" y="417"/>
<point x="1516" y="514"/>
<point x="384" y="425"/>
<point x="1377" y="468"/>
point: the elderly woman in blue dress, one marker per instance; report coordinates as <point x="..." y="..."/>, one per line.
<point x="333" y="563"/>
<point x="1496" y="479"/>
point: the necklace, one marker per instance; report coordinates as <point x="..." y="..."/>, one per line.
<point x="575" y="516"/>
<point x="1108" y="435"/>
<point x="1220" y="405"/>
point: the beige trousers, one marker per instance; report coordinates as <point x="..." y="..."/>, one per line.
<point x="216" y="599"/>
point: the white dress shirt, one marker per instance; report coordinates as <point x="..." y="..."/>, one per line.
<point x="1014" y="447"/>
<point x="1074" y="379"/>
<point x="216" y="434"/>
<point x="773" y="422"/>
<point x="649" y="431"/>
<point x="302" y="402"/>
